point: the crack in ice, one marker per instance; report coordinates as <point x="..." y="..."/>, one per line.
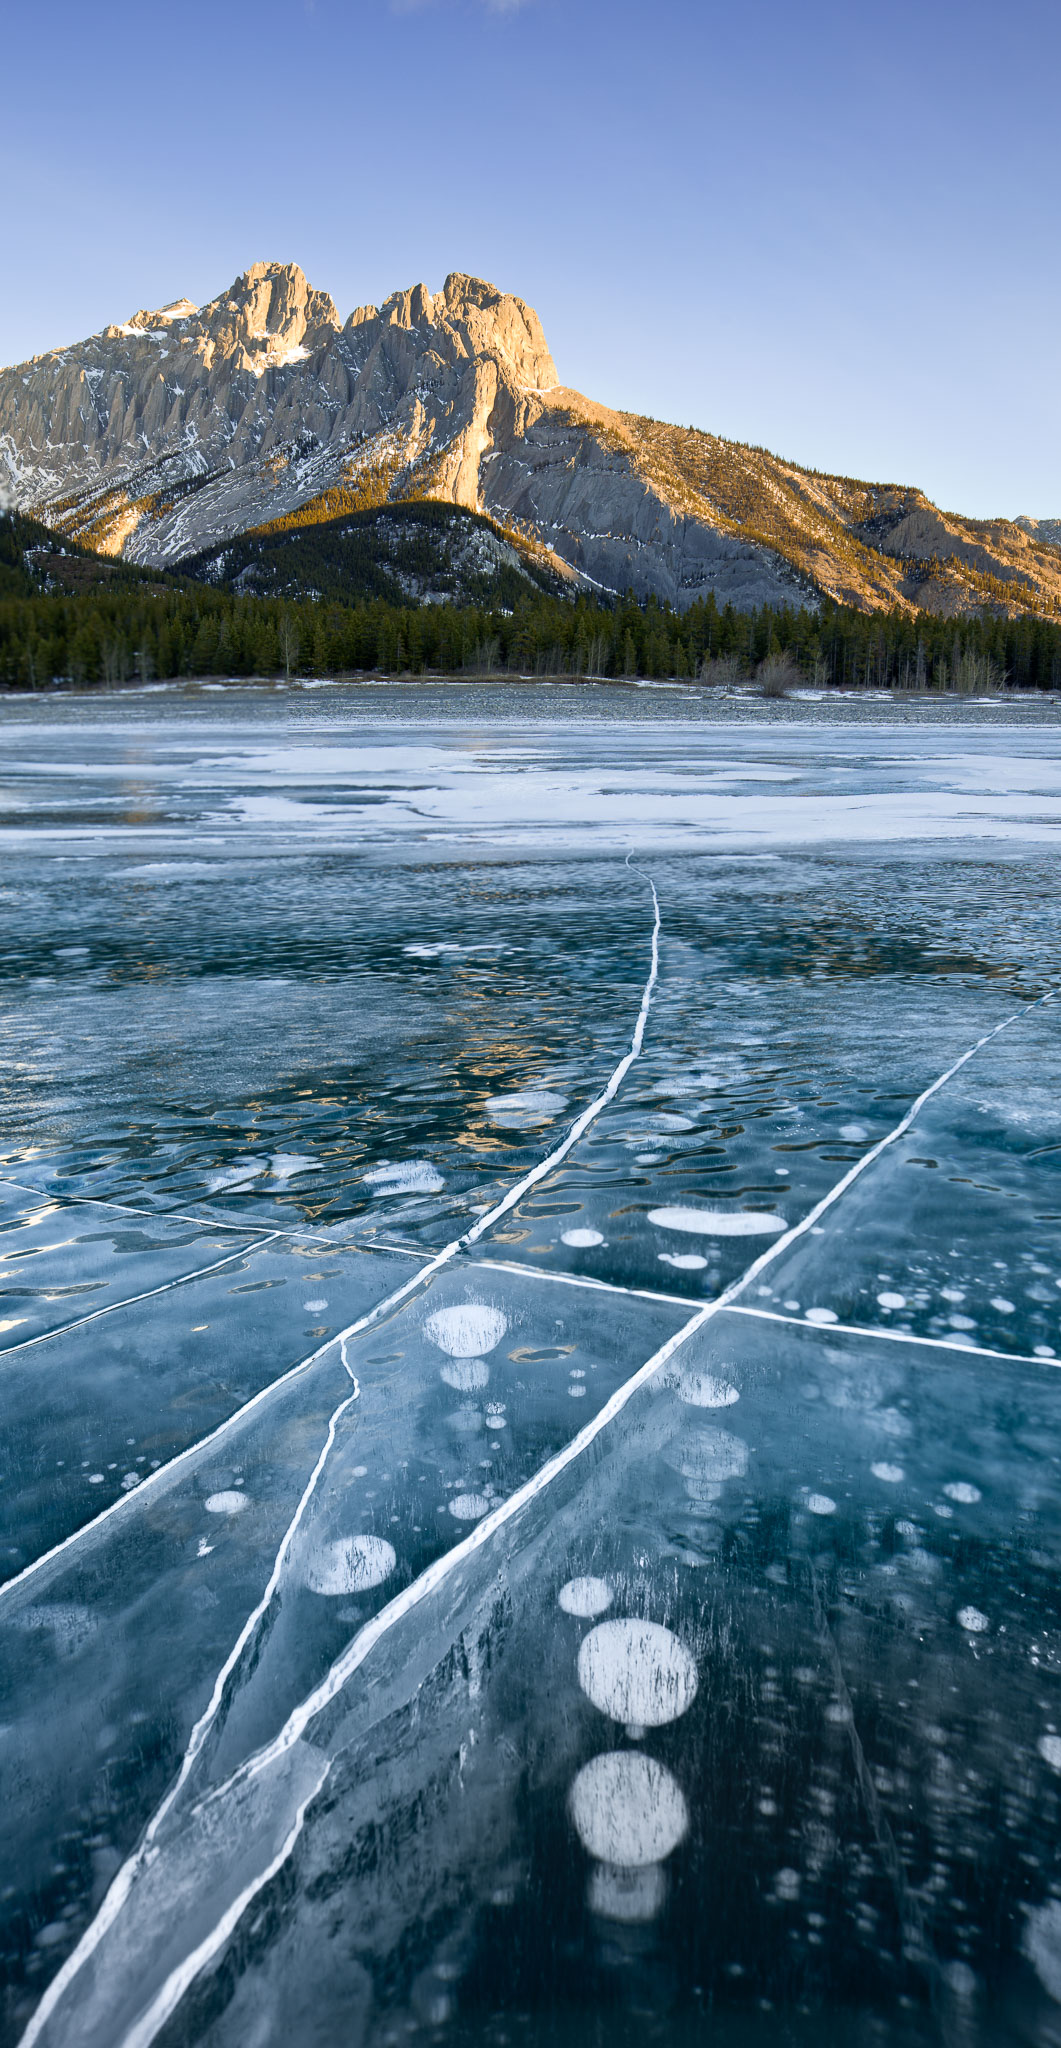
<point x="111" y="1308"/>
<point x="146" y="2028"/>
<point x="165" y="2001"/>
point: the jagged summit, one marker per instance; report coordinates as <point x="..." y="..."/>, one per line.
<point x="264" y="315"/>
<point x="173" y="431"/>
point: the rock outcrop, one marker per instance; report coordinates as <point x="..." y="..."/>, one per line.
<point x="175" y="431"/>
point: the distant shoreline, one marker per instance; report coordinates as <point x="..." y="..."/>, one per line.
<point x="646" y="700"/>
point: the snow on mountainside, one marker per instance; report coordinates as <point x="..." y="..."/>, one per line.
<point x="177" y="430"/>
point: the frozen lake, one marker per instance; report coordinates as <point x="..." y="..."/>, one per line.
<point x="530" y="1363"/>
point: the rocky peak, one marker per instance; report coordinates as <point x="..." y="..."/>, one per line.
<point x="269" y="313"/>
<point x="479" y="320"/>
<point x="167" y="316"/>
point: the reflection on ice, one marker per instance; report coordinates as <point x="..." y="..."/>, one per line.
<point x="631" y="1895"/>
<point x="466" y="1375"/>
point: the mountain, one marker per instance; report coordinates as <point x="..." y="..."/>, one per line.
<point x="171" y="434"/>
<point x="414" y="552"/>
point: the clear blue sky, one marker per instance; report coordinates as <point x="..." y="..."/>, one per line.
<point x="829" y="228"/>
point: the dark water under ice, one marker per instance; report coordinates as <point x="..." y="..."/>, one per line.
<point x="466" y="1587"/>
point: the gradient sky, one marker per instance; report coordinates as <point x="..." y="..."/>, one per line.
<point x="829" y="229"/>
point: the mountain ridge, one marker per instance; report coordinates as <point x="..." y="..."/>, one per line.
<point x="170" y="434"/>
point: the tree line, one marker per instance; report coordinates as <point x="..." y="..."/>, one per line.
<point x="118" y="633"/>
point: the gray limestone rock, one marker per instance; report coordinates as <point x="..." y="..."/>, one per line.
<point x="176" y="430"/>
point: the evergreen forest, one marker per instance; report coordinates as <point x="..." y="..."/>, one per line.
<point x="69" y="619"/>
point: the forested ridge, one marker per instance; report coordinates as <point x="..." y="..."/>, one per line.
<point x="117" y="625"/>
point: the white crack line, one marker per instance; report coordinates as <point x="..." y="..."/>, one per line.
<point x="111" y="1308"/>
<point x="583" y="1280"/>
<point x="147" y="2027"/>
<point x="956" y="1347"/>
<point x="165" y="1473"/>
<point x="300" y="1232"/>
<point x="123" y="1881"/>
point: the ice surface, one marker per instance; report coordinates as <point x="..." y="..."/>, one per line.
<point x="565" y="1654"/>
<point x="97" y="1410"/>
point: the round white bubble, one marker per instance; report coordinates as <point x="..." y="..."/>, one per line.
<point x="581" y="1240"/>
<point x="683" y="1262"/>
<point x="637" y="1672"/>
<point x="971" y="1619"/>
<point x="634" y="1896"/>
<point x="628" y="1810"/>
<point x="468" y="1375"/>
<point x="853" y="1133"/>
<point x="1042" y="1945"/>
<point x="960" y="1490"/>
<point x="522" y="1110"/>
<point x="228" y="1503"/>
<point x="703" y="1390"/>
<point x="469" y="1507"/>
<point x="820" y="1504"/>
<point x="822" y="1316"/>
<point x="467" y="1329"/>
<point x="713" y="1455"/>
<point x="718" y="1222"/>
<point x="352" y="1565"/>
<point x="585" y="1597"/>
<point x="1050" y="1750"/>
<point x="314" y="1307"/>
<point x="891" y="1474"/>
<point x="405" y="1177"/>
<point x="890" y="1300"/>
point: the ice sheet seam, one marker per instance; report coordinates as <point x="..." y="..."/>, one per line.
<point x="124" y="1879"/>
<point x="111" y="1308"/>
<point x="955" y="1350"/>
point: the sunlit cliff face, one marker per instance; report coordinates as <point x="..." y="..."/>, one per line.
<point x="170" y="433"/>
